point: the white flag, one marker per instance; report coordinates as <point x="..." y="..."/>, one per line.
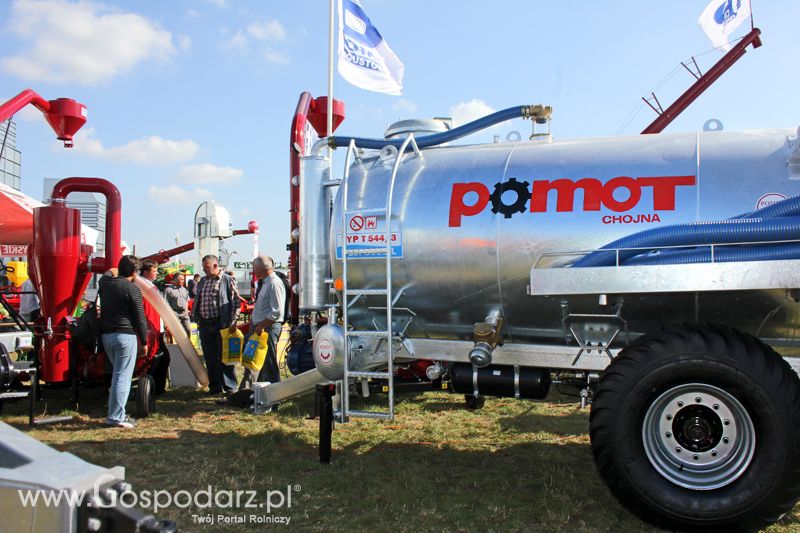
<point x="365" y="59"/>
<point x="721" y="17"/>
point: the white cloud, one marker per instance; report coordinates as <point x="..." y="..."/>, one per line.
<point x="153" y="150"/>
<point x="192" y="13"/>
<point x="406" y="106"/>
<point x="267" y="30"/>
<point x="208" y="173"/>
<point x="270" y="30"/>
<point x="172" y="194"/>
<point x="184" y="42"/>
<point x="84" y="42"/>
<point x="276" y="58"/>
<point x="218" y="3"/>
<point x="238" y="41"/>
<point x="87" y="143"/>
<point x="464" y="112"/>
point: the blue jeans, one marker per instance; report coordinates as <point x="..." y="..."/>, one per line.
<point x="221" y="378"/>
<point x="121" y="349"/>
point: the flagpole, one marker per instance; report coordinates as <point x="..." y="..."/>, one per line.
<point x="330" y="79"/>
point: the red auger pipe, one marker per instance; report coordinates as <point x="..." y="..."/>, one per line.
<point x="297" y="141"/>
<point x="28" y="96"/>
<point x="704" y="82"/>
<point x="65" y="116"/>
<point x="162" y="256"/>
<point x="113" y="214"/>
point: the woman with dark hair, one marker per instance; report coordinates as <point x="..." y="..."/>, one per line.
<point x="122" y="320"/>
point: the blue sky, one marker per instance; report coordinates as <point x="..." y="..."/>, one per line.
<point x="193" y="99"/>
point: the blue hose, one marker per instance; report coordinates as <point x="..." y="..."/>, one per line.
<point x="439" y="138"/>
<point x="785" y="208"/>
<point x="722" y="232"/>
<point x="775" y="222"/>
<point x="722" y="254"/>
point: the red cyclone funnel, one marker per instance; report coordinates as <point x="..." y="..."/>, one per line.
<point x="60" y="270"/>
<point x="66" y="116"/>
<point x="55" y="261"/>
<point x="318" y="115"/>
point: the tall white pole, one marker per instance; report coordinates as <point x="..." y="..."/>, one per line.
<point x="330" y="77"/>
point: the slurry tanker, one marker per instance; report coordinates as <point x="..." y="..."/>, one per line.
<point x="659" y="273"/>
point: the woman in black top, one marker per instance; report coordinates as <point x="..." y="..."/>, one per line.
<point x="122" y="320"/>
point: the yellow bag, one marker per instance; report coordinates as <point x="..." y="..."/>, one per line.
<point x="195" y="337"/>
<point x="231" y="346"/>
<point x="255" y="351"/>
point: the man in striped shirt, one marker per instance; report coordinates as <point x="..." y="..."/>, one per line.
<point x="216" y="307"/>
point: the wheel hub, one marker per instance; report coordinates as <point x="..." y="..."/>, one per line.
<point x="697" y="428"/>
<point x="698" y="436"/>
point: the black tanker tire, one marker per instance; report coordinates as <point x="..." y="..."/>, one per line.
<point x="145" y="396"/>
<point x="741" y="365"/>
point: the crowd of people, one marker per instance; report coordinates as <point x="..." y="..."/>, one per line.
<point x="213" y="302"/>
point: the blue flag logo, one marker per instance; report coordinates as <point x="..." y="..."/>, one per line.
<point x="365" y="59"/>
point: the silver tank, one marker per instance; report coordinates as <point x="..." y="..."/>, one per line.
<point x="460" y="262"/>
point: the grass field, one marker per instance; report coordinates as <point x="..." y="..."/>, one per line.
<point x="511" y="466"/>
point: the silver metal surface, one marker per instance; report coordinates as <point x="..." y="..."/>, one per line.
<point x="314" y="221"/>
<point x="541" y="355"/>
<point x="267" y="395"/>
<point x="329" y="351"/>
<point x="740" y="276"/>
<point x="16" y="341"/>
<point x="29" y="465"/>
<point x="455" y="275"/>
<point x="709" y="468"/>
<point x="418" y="127"/>
<point x="368" y="374"/>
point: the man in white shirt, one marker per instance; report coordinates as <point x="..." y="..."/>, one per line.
<point x="267" y="316"/>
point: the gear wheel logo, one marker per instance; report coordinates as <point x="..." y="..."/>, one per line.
<point x="523" y="195"/>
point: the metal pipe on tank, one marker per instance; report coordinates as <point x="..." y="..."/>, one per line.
<point x="314" y="222"/>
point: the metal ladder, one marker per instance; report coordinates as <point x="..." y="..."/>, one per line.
<point x="348" y="292"/>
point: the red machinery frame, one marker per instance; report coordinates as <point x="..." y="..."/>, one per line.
<point x="314" y="111"/>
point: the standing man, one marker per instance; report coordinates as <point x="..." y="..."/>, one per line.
<point x="29" y="306"/>
<point x="268" y="314"/>
<point x="216" y="307"/>
<point x="191" y="286"/>
<point x="160" y="368"/>
<point x="149" y="271"/>
<point x="178" y="299"/>
<point x="121" y="322"/>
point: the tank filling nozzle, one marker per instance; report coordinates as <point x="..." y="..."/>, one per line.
<point x="487" y="336"/>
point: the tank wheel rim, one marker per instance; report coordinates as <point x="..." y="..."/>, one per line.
<point x="698" y="436"/>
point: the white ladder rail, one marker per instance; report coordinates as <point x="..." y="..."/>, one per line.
<point x="346" y="291"/>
